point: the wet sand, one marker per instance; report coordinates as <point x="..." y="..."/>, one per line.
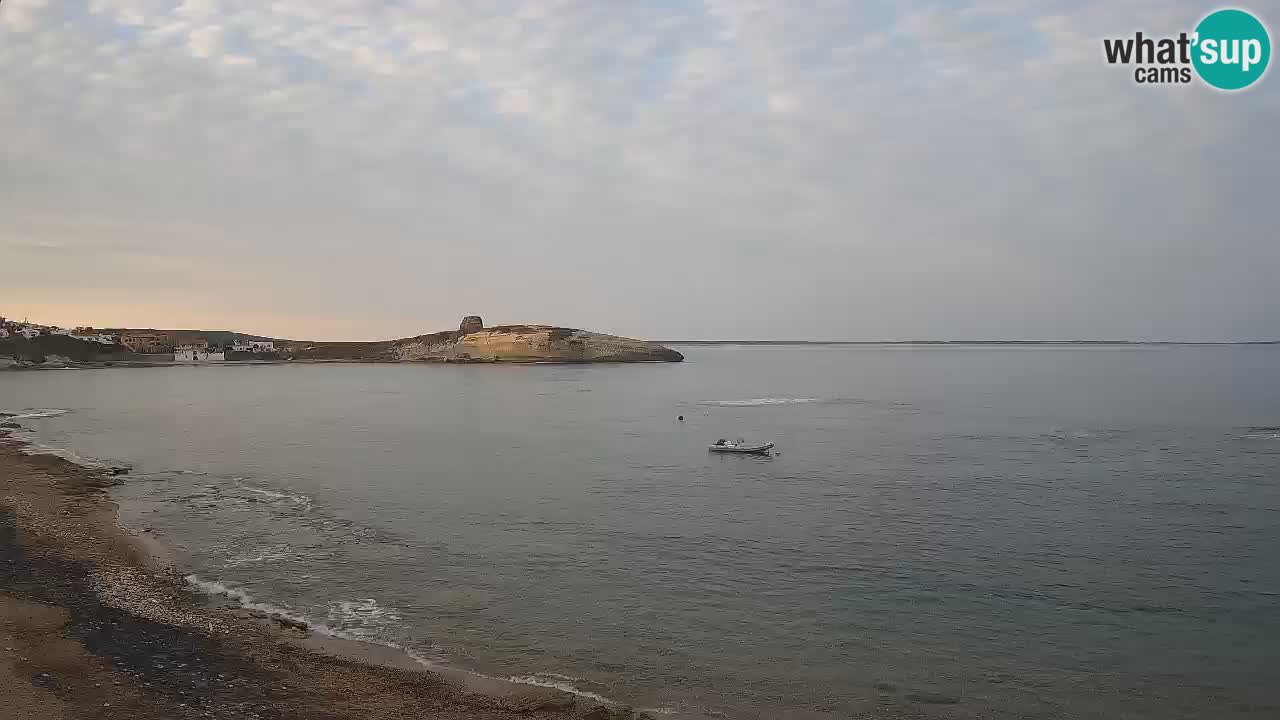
<point x="95" y="624"/>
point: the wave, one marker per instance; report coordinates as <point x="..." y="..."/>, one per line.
<point x="302" y="501"/>
<point x="364" y="620"/>
<point x="769" y="401"/>
<point x="558" y="682"/>
<point x="758" y="402"/>
<point x="271" y="553"/>
<point x="363" y="616"/>
<point x="37" y="448"/>
<point x="1263" y="432"/>
<point x="33" y="414"/>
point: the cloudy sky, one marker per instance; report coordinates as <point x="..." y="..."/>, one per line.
<point x="357" y="169"/>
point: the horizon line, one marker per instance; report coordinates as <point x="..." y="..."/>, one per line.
<point x="970" y="342"/>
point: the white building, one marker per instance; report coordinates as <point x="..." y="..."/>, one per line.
<point x="188" y="353"/>
<point x="100" y="338"/>
<point x="59" y="331"/>
<point x="4" y="332"/>
<point x="28" y="331"/>
<point x="256" y="346"/>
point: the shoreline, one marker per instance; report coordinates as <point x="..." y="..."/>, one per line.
<point x="96" y="621"/>
<point x="109" y="364"/>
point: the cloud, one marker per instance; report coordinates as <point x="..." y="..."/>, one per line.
<point x="206" y="42"/>
<point x="22" y="16"/>
<point x="731" y="167"/>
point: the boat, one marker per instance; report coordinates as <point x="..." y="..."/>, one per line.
<point x="740" y="446"/>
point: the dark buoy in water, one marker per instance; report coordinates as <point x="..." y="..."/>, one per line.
<point x="681" y="418"/>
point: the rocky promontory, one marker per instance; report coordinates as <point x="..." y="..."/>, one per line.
<point x="472" y="342"/>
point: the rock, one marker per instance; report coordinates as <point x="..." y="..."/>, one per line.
<point x="646" y="716"/>
<point x="470" y="324"/>
<point x="535" y="698"/>
<point x="290" y="623"/>
<point x="11" y="425"/>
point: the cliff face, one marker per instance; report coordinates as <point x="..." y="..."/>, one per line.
<point x="472" y="342"/>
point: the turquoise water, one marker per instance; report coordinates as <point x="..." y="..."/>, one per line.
<point x="948" y="531"/>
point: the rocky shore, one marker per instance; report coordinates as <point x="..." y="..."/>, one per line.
<point x="93" y="624"/>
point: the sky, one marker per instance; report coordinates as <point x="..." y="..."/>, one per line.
<point x="745" y="169"/>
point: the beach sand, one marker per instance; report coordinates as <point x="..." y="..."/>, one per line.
<point x="94" y="624"/>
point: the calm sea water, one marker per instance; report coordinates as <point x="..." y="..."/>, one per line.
<point x="959" y="532"/>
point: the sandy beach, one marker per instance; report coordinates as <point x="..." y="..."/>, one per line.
<point x="94" y="624"/>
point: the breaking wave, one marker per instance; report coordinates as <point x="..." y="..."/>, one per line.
<point x="364" y="620"/>
<point x="361" y="620"/>
<point x="33" y="414"/>
<point x="758" y="402"/>
<point x="557" y="682"/>
<point x="302" y="501"/>
<point x="32" y="446"/>
<point x="1263" y="432"/>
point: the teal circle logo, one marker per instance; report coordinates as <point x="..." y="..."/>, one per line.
<point x="1232" y="49"/>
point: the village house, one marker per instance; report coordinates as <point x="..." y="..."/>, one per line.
<point x="88" y="335"/>
<point x="194" y="353"/>
<point x="253" y="346"/>
<point x="147" y="342"/>
<point x="4" y="331"/>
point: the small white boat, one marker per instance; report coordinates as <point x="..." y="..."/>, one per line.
<point x="740" y="446"/>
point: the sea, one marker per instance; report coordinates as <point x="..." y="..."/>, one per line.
<point x="959" y="531"/>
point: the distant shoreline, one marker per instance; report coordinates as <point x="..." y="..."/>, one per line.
<point x="970" y="342"/>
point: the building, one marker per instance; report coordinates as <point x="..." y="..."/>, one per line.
<point x="253" y="346"/>
<point x="29" y="331"/>
<point x="146" y="342"/>
<point x="4" y="331"/>
<point x="192" y="353"/>
<point x="192" y="341"/>
<point x="94" y="337"/>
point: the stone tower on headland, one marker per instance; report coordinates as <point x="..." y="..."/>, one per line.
<point x="470" y="324"/>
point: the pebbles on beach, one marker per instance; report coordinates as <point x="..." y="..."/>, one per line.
<point x="142" y="594"/>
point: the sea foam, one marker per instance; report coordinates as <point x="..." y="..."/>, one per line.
<point x="759" y="402"/>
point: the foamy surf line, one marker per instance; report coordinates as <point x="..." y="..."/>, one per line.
<point x="554" y="681"/>
<point x="758" y="402"/>
<point x="33" y="414"/>
<point x="33" y="446"/>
